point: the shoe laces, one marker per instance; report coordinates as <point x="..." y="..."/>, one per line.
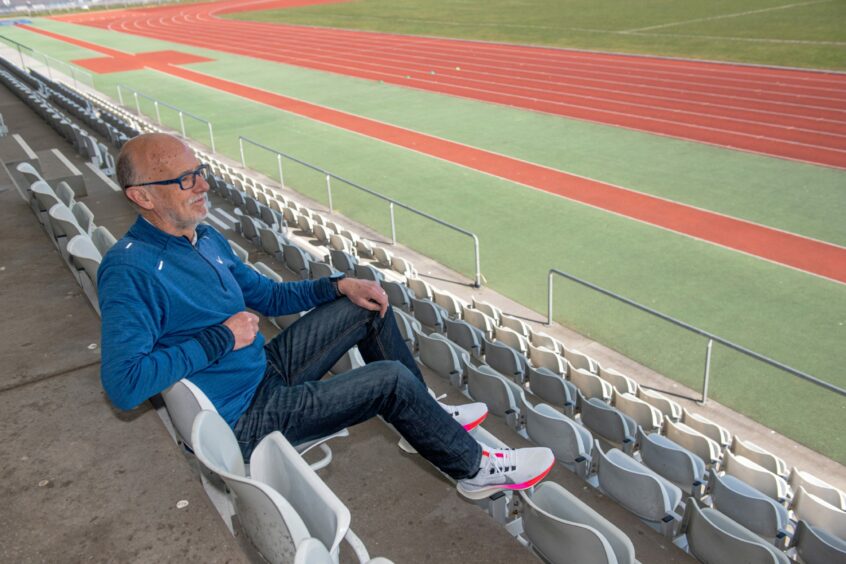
<point x="500" y="461"/>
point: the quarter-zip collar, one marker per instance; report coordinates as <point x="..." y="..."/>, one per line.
<point x="143" y="230"/>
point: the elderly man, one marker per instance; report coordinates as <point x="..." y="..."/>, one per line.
<point x="174" y="300"/>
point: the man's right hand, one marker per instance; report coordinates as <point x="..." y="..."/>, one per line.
<point x="244" y="326"/>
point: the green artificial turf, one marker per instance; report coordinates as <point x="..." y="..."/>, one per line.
<point x="773" y="32"/>
<point x="794" y="317"/>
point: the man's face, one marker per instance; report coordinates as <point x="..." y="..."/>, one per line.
<point x="175" y="211"/>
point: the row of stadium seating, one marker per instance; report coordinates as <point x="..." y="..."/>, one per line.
<point x="637" y="446"/>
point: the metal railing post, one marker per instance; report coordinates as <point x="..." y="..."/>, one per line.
<point x="478" y="277"/>
<point x="329" y="193"/>
<point x="137" y="103"/>
<point x="549" y="298"/>
<point x="707" y="377"/>
<point x="279" y="165"/>
<point x="241" y="148"/>
<point x="73" y="77"/>
<point x="120" y="96"/>
<point x="182" y="123"/>
<point x="49" y="70"/>
<point x="158" y="114"/>
<point x="20" y="54"/>
<point x="211" y="139"/>
<point x="393" y="225"/>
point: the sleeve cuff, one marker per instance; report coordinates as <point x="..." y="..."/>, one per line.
<point x="216" y="341"/>
<point x="324" y="290"/>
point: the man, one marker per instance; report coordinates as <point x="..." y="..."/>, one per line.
<point x="174" y="302"/>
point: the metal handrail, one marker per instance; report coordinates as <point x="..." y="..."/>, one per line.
<point x="477" y="280"/>
<point x="18" y="46"/>
<point x="74" y="70"/>
<point x="156" y="103"/>
<point x="710" y="336"/>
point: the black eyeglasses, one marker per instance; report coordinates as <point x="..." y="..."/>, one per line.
<point x="186" y="182"/>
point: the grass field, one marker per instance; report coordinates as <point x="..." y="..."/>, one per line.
<point x="794" y="317"/>
<point x="773" y="32"/>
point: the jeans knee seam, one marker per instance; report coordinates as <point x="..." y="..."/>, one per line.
<point x="323" y="350"/>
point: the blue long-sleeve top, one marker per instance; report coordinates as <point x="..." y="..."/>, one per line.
<point x="159" y="296"/>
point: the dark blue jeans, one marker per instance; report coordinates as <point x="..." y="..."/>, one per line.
<point x="293" y="399"/>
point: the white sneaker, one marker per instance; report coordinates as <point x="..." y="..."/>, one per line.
<point x="507" y="469"/>
<point x="469" y="415"/>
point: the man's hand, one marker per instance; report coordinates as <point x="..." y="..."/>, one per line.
<point x="244" y="325"/>
<point x="365" y="293"/>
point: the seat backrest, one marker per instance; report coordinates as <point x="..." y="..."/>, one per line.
<point x="184" y="400"/>
<point x="65" y="193"/>
<point x="323" y="234"/>
<point x="436" y="353"/>
<point x="622" y="383"/>
<point x="268" y="519"/>
<point x="570" y="442"/>
<point x="465" y="336"/>
<point x="276" y="463"/>
<point x="545" y="341"/>
<point x="479" y="320"/>
<point x="582" y="361"/>
<point x="367" y="272"/>
<point x="759" y="456"/>
<point x="713" y="431"/>
<point x="504" y="360"/>
<point x="448" y="302"/>
<point x="635" y="487"/>
<point x="747" y="506"/>
<point x="63" y="222"/>
<point x="404" y="267"/>
<point x="645" y="415"/>
<point x="86" y="255"/>
<point x="818" y="513"/>
<point x="667" y="406"/>
<point x="45" y="195"/>
<point x="512" y="338"/>
<point x="679" y="466"/>
<point x="486" y="385"/>
<point x="428" y="314"/>
<point x="422" y="290"/>
<point x="591" y="385"/>
<point x="382" y="256"/>
<point x="102" y="239"/>
<point x="363" y="248"/>
<point x="488" y="309"/>
<point x="398" y="295"/>
<point x="343" y="261"/>
<point x="819" y="488"/>
<point x="552" y="388"/>
<point x="713" y="537"/>
<point x="83" y="216"/>
<point x="755" y="475"/>
<point x="265" y="270"/>
<point x="608" y="423"/>
<point x="692" y="440"/>
<point x="517" y="325"/>
<point x="340" y="243"/>
<point x="546" y="358"/>
<point x="815" y="545"/>
<point x="296" y="260"/>
<point x="249" y="228"/>
<point x="270" y="243"/>
<point x="317" y="270"/>
<point x="565" y="530"/>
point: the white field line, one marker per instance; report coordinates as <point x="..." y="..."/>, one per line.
<point x="725" y="16"/>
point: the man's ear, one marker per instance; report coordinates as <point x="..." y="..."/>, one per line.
<point x="140" y="197"/>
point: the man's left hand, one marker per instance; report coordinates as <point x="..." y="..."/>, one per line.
<point x="365" y="293"/>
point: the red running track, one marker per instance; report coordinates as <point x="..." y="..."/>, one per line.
<point x="816" y="257"/>
<point x="786" y="113"/>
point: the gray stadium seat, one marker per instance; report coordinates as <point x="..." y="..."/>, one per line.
<point x="816" y="546"/>
<point x="553" y="389"/>
<point x="570" y="442"/>
<point x="343" y="262"/>
<point x="512" y="338"/>
<point x="692" y="440"/>
<point x="422" y="290"/>
<point x="667" y="406"/>
<point x="818" y="513"/>
<point x="398" y="295"/>
<point x="622" y="383"/>
<point x="546" y="358"/>
<point x="428" y="314"/>
<point x="435" y="352"/>
<point x="638" y="489"/>
<point x="646" y="416"/>
<point x="819" y="488"/>
<point x="713" y="431"/>
<point x="759" y="456"/>
<point x="607" y="423"/>
<point x="297" y="260"/>
<point x="367" y="272"/>
<point x="486" y="385"/>
<point x="748" y="507"/>
<point x="516" y="325"/>
<point x="102" y="239"/>
<point x="681" y="467"/>
<point x="564" y="530"/>
<point x="591" y="385"/>
<point x="465" y="336"/>
<point x="755" y="475"/>
<point x="505" y="360"/>
<point x="714" y="538"/>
